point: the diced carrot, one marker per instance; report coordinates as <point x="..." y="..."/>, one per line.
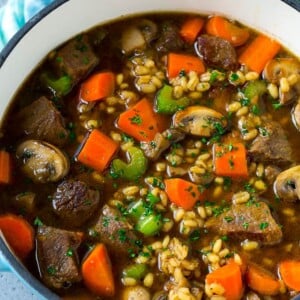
<point x="230" y="278"/>
<point x="289" y="271"/>
<point x="97" y="86"/>
<point x="183" y="62"/>
<point x="97" y="272"/>
<point x="140" y="121"/>
<point x="5" y="167"/>
<point x="18" y="233"/>
<point x="222" y="28"/>
<point x="183" y="193"/>
<point x="97" y="150"/>
<point x="191" y="28"/>
<point x="262" y="281"/>
<point x="259" y="52"/>
<point x="230" y="160"/>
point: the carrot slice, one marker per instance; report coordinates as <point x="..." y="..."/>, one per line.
<point x="182" y="62"/>
<point x="97" y="150"/>
<point x="221" y="27"/>
<point x="191" y="28"/>
<point x="262" y="281"/>
<point x="230" y="160"/>
<point x="230" y="278"/>
<point x="259" y="52"/>
<point x="289" y="271"/>
<point x="140" y="121"/>
<point x="97" y="86"/>
<point x="97" y="272"/>
<point x="18" y="233"/>
<point x="5" y="167"/>
<point x="183" y="193"/>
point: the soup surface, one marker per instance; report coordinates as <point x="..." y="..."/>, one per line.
<point x="157" y="158"/>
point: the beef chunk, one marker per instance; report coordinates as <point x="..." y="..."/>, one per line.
<point x="273" y="146"/>
<point x="161" y="142"/>
<point x="217" y="52"/>
<point x="242" y="221"/>
<point x="74" y="202"/>
<point x="56" y="253"/>
<point x="115" y="231"/>
<point x="42" y="121"/>
<point x="169" y="39"/>
<point x="76" y="58"/>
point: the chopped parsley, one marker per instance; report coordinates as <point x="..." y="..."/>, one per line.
<point x="263" y="131"/>
<point x="255" y="110"/>
<point x="70" y="252"/>
<point x="195" y="235"/>
<point x="228" y="219"/>
<point x="245" y="225"/>
<point x="263" y="225"/>
<point x="245" y="102"/>
<point x="136" y="120"/>
<point x="277" y="105"/>
<point x="234" y="77"/>
<point x="37" y="222"/>
<point x="51" y="270"/>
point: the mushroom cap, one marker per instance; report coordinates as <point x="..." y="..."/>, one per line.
<point x="287" y="184"/>
<point x="42" y="162"/>
<point x="199" y="121"/>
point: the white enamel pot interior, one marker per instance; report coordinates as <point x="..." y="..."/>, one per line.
<point x="64" y="19"/>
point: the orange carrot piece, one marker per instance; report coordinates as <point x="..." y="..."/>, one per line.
<point x="183" y="193"/>
<point x="262" y="281"/>
<point x="140" y="121"/>
<point x="97" y="150"/>
<point x="230" y="160"/>
<point x="18" y="233"/>
<point x="97" y="86"/>
<point x="230" y="278"/>
<point x="259" y="52"/>
<point x="289" y="271"/>
<point x="97" y="272"/>
<point x="182" y="62"/>
<point x="222" y="28"/>
<point x="5" y="167"/>
<point x="191" y="28"/>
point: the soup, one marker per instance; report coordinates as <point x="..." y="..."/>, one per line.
<point x="156" y="158"/>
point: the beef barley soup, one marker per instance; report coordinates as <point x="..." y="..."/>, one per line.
<point x="157" y="157"/>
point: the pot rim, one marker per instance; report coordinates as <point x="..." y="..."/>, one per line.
<point x="14" y="264"/>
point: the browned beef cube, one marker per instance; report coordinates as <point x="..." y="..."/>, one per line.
<point x="242" y="221"/>
<point x="115" y="231"/>
<point x="57" y="258"/>
<point x="41" y="120"/>
<point x="76" y="58"/>
<point x="273" y="146"/>
<point x="74" y="202"/>
<point x="217" y="52"/>
<point x="170" y="39"/>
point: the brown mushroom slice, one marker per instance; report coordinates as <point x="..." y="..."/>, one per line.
<point x="199" y="121"/>
<point x="287" y="184"/>
<point x="132" y="39"/>
<point x="42" y="162"/>
<point x="283" y="67"/>
<point x="296" y="115"/>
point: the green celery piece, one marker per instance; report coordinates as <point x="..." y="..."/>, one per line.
<point x="149" y="225"/>
<point x="136" y="209"/>
<point x="166" y="104"/>
<point x="133" y="170"/>
<point x="61" y="86"/>
<point x="255" y="88"/>
<point x="136" y="271"/>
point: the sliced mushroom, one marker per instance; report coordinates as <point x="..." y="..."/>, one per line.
<point x="206" y="178"/>
<point x="135" y="293"/>
<point x="283" y="68"/>
<point x="200" y="121"/>
<point x="287" y="184"/>
<point x="296" y="115"/>
<point x="42" y="162"/>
